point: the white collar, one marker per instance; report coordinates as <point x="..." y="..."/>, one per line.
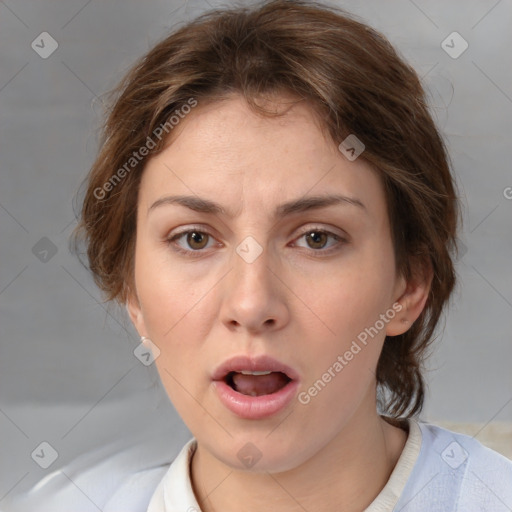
<point x="175" y="494"/>
<point x="390" y="494"/>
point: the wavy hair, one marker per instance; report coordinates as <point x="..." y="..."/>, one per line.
<point x="357" y="83"/>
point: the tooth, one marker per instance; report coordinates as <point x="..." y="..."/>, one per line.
<point x="247" y="372"/>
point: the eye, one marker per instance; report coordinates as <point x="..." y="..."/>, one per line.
<point x="320" y="240"/>
<point x="192" y="240"/>
<point x="317" y="239"/>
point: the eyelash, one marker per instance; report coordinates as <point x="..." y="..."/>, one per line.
<point x="171" y="241"/>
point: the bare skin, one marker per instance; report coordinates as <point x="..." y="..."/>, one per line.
<point x="301" y="301"/>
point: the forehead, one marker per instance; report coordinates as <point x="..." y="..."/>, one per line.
<point x="226" y="151"/>
<point x="230" y="126"/>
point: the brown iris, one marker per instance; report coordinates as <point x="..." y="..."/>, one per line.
<point x="197" y="240"/>
<point x="316" y="239"/>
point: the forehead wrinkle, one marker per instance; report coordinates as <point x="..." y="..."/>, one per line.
<point x="303" y="204"/>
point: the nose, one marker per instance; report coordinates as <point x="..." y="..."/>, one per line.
<point x="254" y="298"/>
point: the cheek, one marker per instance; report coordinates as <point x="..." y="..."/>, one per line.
<point x="171" y="295"/>
<point x="176" y="309"/>
<point x="176" y="313"/>
<point x="347" y="302"/>
<point x="342" y="350"/>
<point x="349" y="297"/>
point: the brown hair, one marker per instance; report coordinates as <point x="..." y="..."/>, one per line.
<point x="357" y="83"/>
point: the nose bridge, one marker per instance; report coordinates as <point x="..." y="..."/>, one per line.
<point x="251" y="267"/>
<point x="252" y="299"/>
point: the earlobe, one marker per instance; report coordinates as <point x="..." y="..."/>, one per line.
<point x="412" y="302"/>
<point x="135" y="313"/>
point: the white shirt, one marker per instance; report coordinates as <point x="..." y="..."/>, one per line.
<point x="438" y="471"/>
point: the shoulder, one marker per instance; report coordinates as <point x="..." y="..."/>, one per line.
<point x="457" y="450"/>
<point x="105" y="491"/>
<point x="112" y="478"/>
<point x="134" y="494"/>
<point x="457" y="472"/>
<point x="165" y="487"/>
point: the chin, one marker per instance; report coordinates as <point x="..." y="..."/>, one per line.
<point x="258" y="453"/>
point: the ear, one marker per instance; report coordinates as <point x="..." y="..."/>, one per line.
<point x="135" y="312"/>
<point x="412" y="297"/>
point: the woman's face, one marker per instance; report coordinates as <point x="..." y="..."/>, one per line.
<point x="287" y="260"/>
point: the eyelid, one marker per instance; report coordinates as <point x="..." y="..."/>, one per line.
<point x="187" y="229"/>
<point x="342" y="236"/>
<point x="342" y="239"/>
<point x="171" y="239"/>
<point x="324" y="229"/>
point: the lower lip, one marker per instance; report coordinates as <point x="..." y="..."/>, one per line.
<point x="256" y="407"/>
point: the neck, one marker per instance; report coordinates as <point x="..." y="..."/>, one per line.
<point x="347" y="473"/>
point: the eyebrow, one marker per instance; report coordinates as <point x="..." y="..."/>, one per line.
<point x="300" y="205"/>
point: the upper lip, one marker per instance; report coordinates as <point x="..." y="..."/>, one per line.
<point x="253" y="364"/>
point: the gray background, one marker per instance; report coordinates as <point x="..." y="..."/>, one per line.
<point x="68" y="374"/>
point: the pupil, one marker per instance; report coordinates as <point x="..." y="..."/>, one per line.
<point x="318" y="239"/>
<point x="196" y="240"/>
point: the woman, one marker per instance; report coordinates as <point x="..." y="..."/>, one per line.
<point x="273" y="204"/>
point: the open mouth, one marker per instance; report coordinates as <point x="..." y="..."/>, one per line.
<point x="255" y="388"/>
<point x="256" y="383"/>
